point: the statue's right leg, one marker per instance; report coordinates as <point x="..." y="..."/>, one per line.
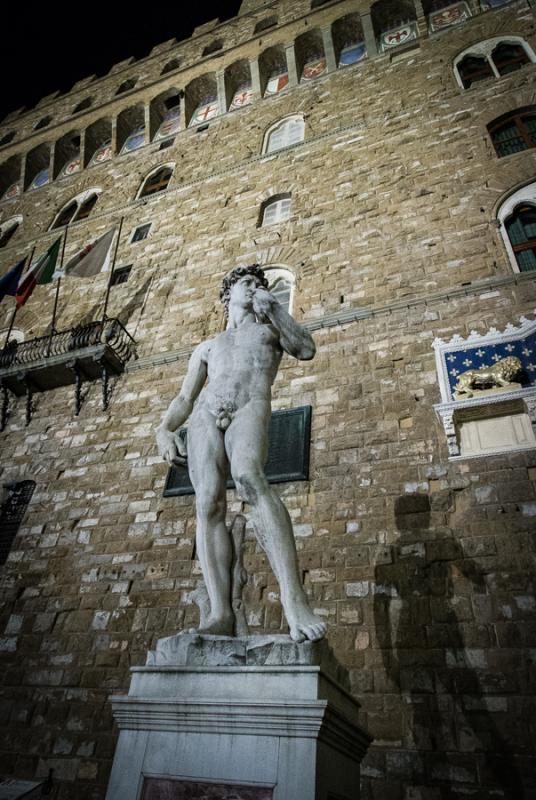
<point x="207" y="465"/>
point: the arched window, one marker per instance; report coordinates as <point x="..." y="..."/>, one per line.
<point x="86" y="207"/>
<point x="86" y="103"/>
<point x="517" y="218"/>
<point x="77" y="209"/>
<point x="514" y="131"/>
<point x="66" y="215"/>
<point x="521" y="230"/>
<point x="156" y="182"/>
<point x="281" y="285"/>
<point x="275" y="210"/>
<point x="170" y="66"/>
<point x="7" y="138"/>
<point x="284" y="134"/>
<point x="127" y="85"/>
<point x="492" y="58"/>
<point x="8" y="229"/>
<point x="509" y="56"/>
<point x="474" y="68"/>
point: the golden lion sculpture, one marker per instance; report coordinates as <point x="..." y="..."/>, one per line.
<point x="500" y="374"/>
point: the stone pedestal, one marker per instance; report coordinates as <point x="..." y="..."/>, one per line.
<point x="250" y="718"/>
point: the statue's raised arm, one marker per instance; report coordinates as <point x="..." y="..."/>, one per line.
<point x="294" y="339"/>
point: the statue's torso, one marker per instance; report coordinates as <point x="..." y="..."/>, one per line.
<point x="242" y="364"/>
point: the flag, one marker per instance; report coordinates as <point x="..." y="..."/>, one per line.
<point x="10" y="281"/>
<point x="92" y="259"/>
<point x="39" y="273"/>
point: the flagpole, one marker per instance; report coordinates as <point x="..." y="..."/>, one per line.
<point x="112" y="272"/>
<point x="55" y="311"/>
<point x="12" y="321"/>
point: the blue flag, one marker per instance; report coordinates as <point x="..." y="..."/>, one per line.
<point x="10" y="281"/>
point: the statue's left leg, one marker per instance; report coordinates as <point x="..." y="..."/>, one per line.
<point x="246" y="442"/>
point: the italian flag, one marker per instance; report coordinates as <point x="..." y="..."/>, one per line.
<point x="39" y="273"/>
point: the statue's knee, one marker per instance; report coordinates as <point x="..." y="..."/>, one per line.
<point x="249" y="486"/>
<point x="210" y="508"/>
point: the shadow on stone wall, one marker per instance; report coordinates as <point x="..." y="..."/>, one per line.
<point x="447" y="723"/>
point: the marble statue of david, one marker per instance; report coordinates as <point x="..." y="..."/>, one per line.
<point x="230" y="377"/>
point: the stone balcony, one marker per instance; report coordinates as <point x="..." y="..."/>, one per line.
<point x="84" y="353"/>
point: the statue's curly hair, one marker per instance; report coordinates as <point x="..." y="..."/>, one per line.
<point x="234" y="276"/>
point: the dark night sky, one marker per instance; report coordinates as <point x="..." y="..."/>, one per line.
<point x="49" y="46"/>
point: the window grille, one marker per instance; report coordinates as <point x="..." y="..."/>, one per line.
<point x="521" y="230"/>
<point x="141" y="232"/>
<point x="11" y="513"/>
<point x="120" y="275"/>
<point x="276" y="211"/>
<point x="514" y="131"/>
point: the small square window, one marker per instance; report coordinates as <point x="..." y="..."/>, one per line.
<point x="142" y="232"/>
<point x="167" y="143"/>
<point x="121" y="275"/>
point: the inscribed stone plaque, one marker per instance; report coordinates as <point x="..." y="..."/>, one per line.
<point x="288" y="453"/>
<point x="165" y="789"/>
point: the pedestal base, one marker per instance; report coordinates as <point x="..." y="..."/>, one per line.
<point x="250" y="718"/>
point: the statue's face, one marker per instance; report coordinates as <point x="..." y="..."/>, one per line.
<point x="242" y="291"/>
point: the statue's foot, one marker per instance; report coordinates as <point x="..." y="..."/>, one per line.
<point x="218" y="626"/>
<point x="306" y="626"/>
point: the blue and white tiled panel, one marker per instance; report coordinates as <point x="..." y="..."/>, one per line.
<point x="485" y="355"/>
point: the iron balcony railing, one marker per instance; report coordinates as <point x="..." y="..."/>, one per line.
<point x="62" y="343"/>
<point x="94" y="351"/>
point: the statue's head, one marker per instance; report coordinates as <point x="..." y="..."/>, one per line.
<point x="234" y="276"/>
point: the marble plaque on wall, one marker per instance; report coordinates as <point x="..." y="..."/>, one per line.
<point x="165" y="789"/>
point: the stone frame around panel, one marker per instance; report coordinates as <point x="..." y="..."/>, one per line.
<point x="447" y="409"/>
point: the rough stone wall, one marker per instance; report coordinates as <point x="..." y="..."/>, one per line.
<point x="423" y="567"/>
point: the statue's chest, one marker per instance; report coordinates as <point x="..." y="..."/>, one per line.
<point x="254" y="344"/>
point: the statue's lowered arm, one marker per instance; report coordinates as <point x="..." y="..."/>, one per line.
<point x="170" y="446"/>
